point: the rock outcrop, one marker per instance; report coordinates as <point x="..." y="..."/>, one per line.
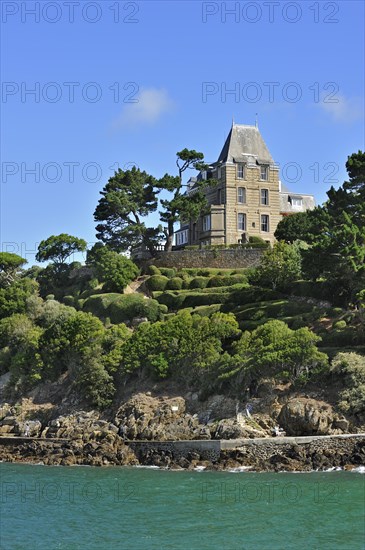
<point x="305" y="416"/>
<point x="163" y="419"/>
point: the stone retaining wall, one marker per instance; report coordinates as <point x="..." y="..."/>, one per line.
<point x="233" y="258"/>
<point x="207" y="449"/>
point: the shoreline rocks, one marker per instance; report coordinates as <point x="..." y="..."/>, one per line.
<point x="131" y="434"/>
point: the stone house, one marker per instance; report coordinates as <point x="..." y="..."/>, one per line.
<point x="248" y="199"/>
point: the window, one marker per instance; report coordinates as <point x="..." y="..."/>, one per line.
<point x="265" y="223"/>
<point x="219" y="173"/>
<point x="296" y="202"/>
<point x="265" y="196"/>
<point x="241" y="222"/>
<point x="241" y="171"/>
<point x="219" y="196"/>
<point x="241" y="195"/>
<point x="194" y="232"/>
<point x="264" y="170"/>
<point x="181" y="237"/>
<point x="206" y="223"/>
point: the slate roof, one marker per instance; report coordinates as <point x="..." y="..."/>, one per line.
<point x="245" y="144"/>
<point x="286" y="207"/>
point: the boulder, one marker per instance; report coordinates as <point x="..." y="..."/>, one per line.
<point x="306" y="416"/>
<point x="157" y="418"/>
<point x="231" y="429"/>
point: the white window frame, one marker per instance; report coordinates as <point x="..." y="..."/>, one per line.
<point x="296" y="202"/>
<point x="207" y="223"/>
<point x="267" y="223"/>
<point x="241" y="169"/>
<point x="243" y="201"/>
<point x="264" y="198"/>
<point x="241" y="221"/>
<point x="264" y="172"/>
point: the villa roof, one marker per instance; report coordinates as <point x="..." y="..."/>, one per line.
<point x="245" y="144"/>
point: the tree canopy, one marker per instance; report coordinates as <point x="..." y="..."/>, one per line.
<point x="182" y="206"/>
<point x="130" y="196"/>
<point x="337" y="252"/>
<point x="9" y="266"/>
<point x="127" y="199"/>
<point x="279" y="266"/>
<point x="59" y="248"/>
<point x="112" y="269"/>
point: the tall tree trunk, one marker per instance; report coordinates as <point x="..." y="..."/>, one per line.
<point x="169" y="236"/>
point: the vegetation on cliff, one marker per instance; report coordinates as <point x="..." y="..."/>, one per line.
<point x="293" y="319"/>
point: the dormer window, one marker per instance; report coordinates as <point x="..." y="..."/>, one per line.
<point x="240" y="171"/>
<point x="296" y="202"/>
<point x="264" y="172"/>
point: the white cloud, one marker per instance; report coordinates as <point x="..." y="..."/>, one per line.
<point x="344" y="109"/>
<point x="150" y="106"/>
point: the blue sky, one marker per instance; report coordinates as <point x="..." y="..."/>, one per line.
<point x="122" y="83"/>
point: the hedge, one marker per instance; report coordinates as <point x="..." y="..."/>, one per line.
<point x="176" y="283"/>
<point x="157" y="282"/>
<point x="122" y="308"/>
<point x="129" y="306"/>
<point x="226" y="280"/>
<point x="153" y="270"/>
<point x="191" y="299"/>
<point x="98" y="304"/>
<point x="169" y="272"/>
<point x="199" y="282"/>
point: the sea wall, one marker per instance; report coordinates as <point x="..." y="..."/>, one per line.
<point x="267" y="454"/>
<point x="231" y="258"/>
<point x="263" y="454"/>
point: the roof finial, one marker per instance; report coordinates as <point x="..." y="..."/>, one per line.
<point x="232" y="121"/>
<point x="256" y="122"/>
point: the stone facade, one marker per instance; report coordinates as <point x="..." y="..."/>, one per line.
<point x="247" y="200"/>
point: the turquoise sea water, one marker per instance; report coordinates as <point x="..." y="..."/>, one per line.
<point x="87" y="508"/>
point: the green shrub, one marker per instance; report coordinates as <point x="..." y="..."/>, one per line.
<point x="153" y="270"/>
<point x="93" y="283"/>
<point x="339" y="324"/>
<point x="204" y="273"/>
<point x="114" y="270"/>
<point x="199" y="299"/>
<point x="168" y="272"/>
<point x="174" y="284"/>
<point x="186" y="283"/>
<point x="189" y="271"/>
<point x="255" y="239"/>
<point x="69" y="301"/>
<point x="317" y="289"/>
<point x="192" y="247"/>
<point x="217" y="281"/>
<point x="348" y="336"/>
<point x="296" y="323"/>
<point x="157" y="282"/>
<point x="350" y="367"/>
<point x="348" y="318"/>
<point x="199" y="282"/>
<point x="98" y="304"/>
<point x="225" y="280"/>
<point x="207" y="311"/>
<point x="171" y="300"/>
<point x="128" y="306"/>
